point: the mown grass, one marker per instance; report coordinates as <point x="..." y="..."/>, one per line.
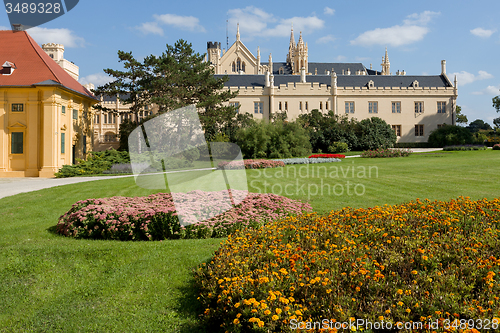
<point x="53" y="284"/>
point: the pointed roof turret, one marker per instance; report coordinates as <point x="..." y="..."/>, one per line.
<point x="292" y="39"/>
<point x="238" y="32"/>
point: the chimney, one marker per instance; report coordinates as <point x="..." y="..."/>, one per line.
<point x="443" y="67"/>
<point x="302" y="75"/>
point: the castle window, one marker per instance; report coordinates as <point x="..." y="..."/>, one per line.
<point x="96" y="119"/>
<point x="396" y="107"/>
<point x="349" y="107"/>
<point x="243" y="66"/>
<point x="415" y="84"/>
<point x="282" y="71"/>
<point x="63" y="109"/>
<point x="258" y="107"/>
<point x="238" y="64"/>
<point x="397" y="129"/>
<point x="326" y="106"/>
<point x="51" y="55"/>
<point x="307" y="106"/>
<point x="17" y="107"/>
<point x="441" y="107"/>
<point x="279" y="106"/>
<point x="236" y="105"/>
<point x="419" y="107"/>
<point x="300" y="106"/>
<point x="372" y="107"/>
<point x="17" y="143"/>
<point x="419" y="130"/>
<point x="63" y="143"/>
<point x="321" y="105"/>
<point x="371" y="84"/>
<point x="286" y="106"/>
<point x="75" y="114"/>
<point x="234" y="67"/>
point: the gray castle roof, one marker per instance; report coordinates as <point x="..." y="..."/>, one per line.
<point x="405" y="81"/>
<point x="321" y="67"/>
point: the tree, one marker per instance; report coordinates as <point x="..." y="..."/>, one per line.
<point x="460" y="118"/>
<point x="177" y="78"/>
<point x="496" y="103"/>
<point x="477" y="125"/>
<point x="448" y="135"/>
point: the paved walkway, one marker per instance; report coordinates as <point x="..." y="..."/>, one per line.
<point x="12" y="186"/>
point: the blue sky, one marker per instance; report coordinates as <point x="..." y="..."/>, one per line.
<point x="418" y="36"/>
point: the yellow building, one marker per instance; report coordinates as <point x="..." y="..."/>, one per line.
<point x="45" y="114"/>
<point x="414" y="105"/>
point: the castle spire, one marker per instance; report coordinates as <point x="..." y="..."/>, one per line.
<point x="292" y="39"/>
<point x="301" y="41"/>
<point x="386" y="65"/>
<point x="270" y="63"/>
<point x="238" y="32"/>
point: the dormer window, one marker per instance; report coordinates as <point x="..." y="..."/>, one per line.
<point x="371" y="84"/>
<point x="51" y="55"/>
<point x="415" y="84"/>
<point x="8" y="68"/>
<point x="282" y="71"/>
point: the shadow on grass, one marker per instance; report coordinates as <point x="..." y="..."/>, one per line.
<point x="53" y="230"/>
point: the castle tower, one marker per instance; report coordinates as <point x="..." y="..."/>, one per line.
<point x="213" y="51"/>
<point x="386" y="65"/>
<point x="291" y="49"/>
<point x="300" y="56"/>
<point x="56" y="52"/>
<point x="238" y="32"/>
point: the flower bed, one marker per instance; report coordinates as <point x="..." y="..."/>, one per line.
<point x="250" y="164"/>
<point x="154" y="217"/>
<point x="430" y="262"/>
<point x="464" y="147"/>
<point x="288" y="161"/>
<point x="327" y="156"/>
<point x="385" y="152"/>
<point x="496" y="147"/>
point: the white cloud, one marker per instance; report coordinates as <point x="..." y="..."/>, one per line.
<point x="190" y="23"/>
<point x="326" y="39"/>
<point x="420" y="19"/>
<point x="4" y="28"/>
<point x="412" y="30"/>
<point x="489" y="90"/>
<point x="340" y="58"/>
<point x="150" y="28"/>
<point x="464" y="77"/>
<point x="98" y="79"/>
<point x="329" y="11"/>
<point x="483" y="33"/>
<point x="58" y="36"/>
<point x="256" y="22"/>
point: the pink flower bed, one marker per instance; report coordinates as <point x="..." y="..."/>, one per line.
<point x="327" y="156"/>
<point x="251" y="164"/>
<point x="154" y="217"/>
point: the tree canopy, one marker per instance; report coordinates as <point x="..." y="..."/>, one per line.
<point x="177" y="78"/>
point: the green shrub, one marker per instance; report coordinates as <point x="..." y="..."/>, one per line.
<point x="464" y="147"/>
<point x="96" y="163"/>
<point x="449" y="135"/>
<point x="384" y="152"/>
<point x="191" y="154"/>
<point x="338" y="147"/>
<point x="496" y="147"/>
<point x="374" y="133"/>
<point x="279" y="139"/>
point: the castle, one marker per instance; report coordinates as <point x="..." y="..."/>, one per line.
<point x="414" y="105"/>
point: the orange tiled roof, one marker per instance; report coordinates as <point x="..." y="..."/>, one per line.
<point x="32" y="65"/>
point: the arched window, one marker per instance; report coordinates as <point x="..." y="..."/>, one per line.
<point x="238" y="64"/>
<point x="282" y="70"/>
<point x="243" y="66"/>
<point x="301" y="64"/>
<point x="234" y="67"/>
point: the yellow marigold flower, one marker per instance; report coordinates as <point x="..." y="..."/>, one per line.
<point x="408" y="310"/>
<point x="275" y="317"/>
<point x="381" y="318"/>
<point x="254" y="310"/>
<point x="267" y="312"/>
<point x="236" y="321"/>
<point x="207" y="311"/>
<point x="253" y="319"/>
<point x="414" y="272"/>
<point x="438" y="312"/>
<point x="400" y="303"/>
<point x="298" y="313"/>
<point x="278" y="310"/>
<point x="400" y="291"/>
<point x="237" y="305"/>
<point x="388" y="311"/>
<point x="238" y="315"/>
<point x="425" y="257"/>
<point x="328" y="291"/>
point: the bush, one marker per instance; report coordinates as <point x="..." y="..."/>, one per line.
<point x="288" y="161"/>
<point x="338" y="147"/>
<point x="386" y="153"/>
<point x="496" y="147"/>
<point x="273" y="140"/>
<point x="449" y="135"/>
<point x="154" y="217"/>
<point x="375" y="133"/>
<point x="464" y="147"/>
<point x="420" y="261"/>
<point x="96" y="163"/>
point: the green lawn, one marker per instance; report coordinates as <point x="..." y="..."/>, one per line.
<point x="53" y="284"/>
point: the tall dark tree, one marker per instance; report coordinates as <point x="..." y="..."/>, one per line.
<point x="181" y="77"/>
<point x="477" y="125"/>
<point x="177" y="78"/>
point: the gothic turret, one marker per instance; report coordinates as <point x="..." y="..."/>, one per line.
<point x="386" y="65"/>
